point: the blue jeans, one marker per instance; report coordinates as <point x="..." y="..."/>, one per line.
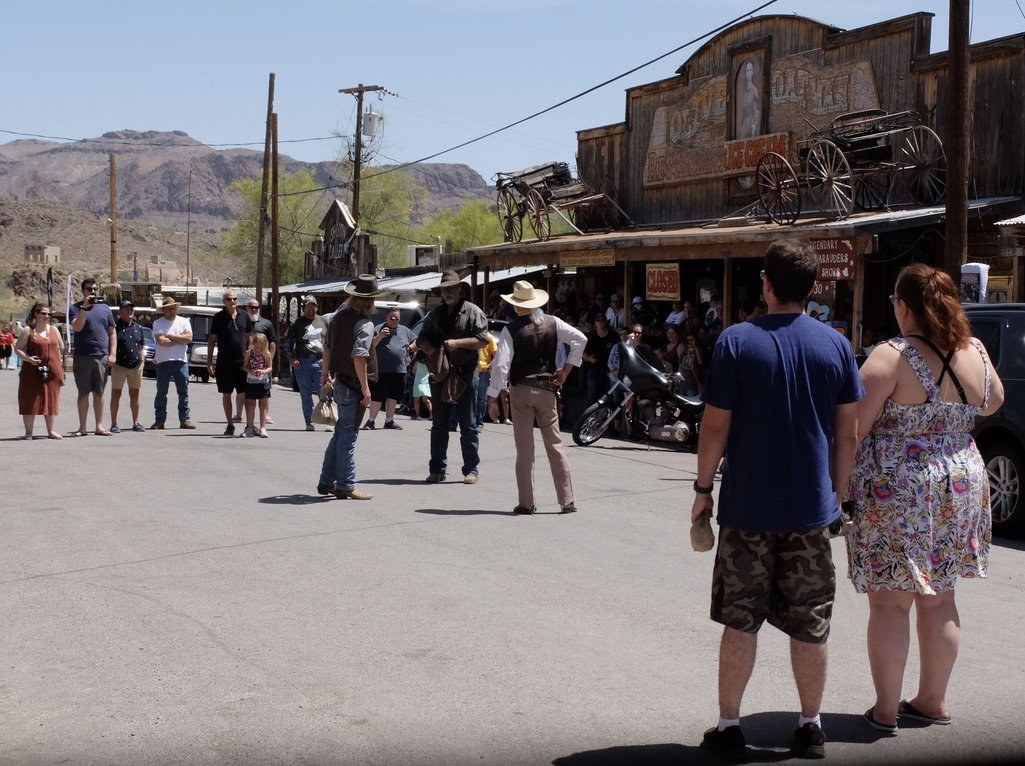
<point x="469" y="434"/>
<point x="483" y="381"/>
<point x="179" y="373"/>
<point x="308" y="377"/>
<point x="339" y="467"/>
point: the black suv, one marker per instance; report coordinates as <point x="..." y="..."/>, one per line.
<point x="1001" y="436"/>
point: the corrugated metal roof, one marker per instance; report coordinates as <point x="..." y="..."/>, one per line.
<point x="417" y="283"/>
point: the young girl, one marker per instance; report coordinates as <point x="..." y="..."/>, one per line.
<point x="257" y="364"/>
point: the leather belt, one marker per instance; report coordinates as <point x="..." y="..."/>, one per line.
<point x="546" y="384"/>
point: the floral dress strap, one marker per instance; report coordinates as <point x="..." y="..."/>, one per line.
<point x="919" y="366"/>
<point x="977" y="345"/>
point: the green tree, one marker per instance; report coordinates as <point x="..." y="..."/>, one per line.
<point x="475" y="223"/>
<point x="388" y="203"/>
<point x="299" y="214"/>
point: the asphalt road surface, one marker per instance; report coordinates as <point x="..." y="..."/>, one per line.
<point x="179" y="597"/>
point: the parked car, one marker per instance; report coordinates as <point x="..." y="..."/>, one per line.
<point x="410" y="312"/>
<point x="1001" y="436"/>
<point x="200" y="317"/>
<point x="149" y="344"/>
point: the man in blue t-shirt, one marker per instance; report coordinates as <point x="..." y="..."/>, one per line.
<point x="780" y="403"/>
<point x="95" y="353"/>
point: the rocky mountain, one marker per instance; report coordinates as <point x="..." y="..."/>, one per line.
<point x="59" y="194"/>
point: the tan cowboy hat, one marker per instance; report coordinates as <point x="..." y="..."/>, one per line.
<point x="169" y="303"/>
<point x="364" y="286"/>
<point x="526" y="296"/>
<point x="450" y="278"/>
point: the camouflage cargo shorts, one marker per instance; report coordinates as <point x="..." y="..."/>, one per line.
<point x="785" y="578"/>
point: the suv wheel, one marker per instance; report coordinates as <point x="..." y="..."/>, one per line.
<point x="1005" y="468"/>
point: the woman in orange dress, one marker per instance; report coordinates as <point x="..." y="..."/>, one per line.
<point x="40" y="349"/>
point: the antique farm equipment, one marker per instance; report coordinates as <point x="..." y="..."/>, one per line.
<point x="855" y="161"/>
<point x="539" y="190"/>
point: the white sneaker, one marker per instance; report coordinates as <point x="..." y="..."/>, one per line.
<point x="248" y="433"/>
<point x="263" y="432"/>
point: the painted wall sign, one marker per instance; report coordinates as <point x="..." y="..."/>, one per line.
<point x="588" y="258"/>
<point x="662" y="282"/>
<point x="837" y="259"/>
<point x="742" y="155"/>
<point x="687" y="139"/>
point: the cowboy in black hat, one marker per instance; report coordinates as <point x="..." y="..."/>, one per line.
<point x="347" y="358"/>
<point x="451" y="337"/>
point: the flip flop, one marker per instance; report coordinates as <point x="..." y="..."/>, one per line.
<point x="870" y="716"/>
<point x="906" y="710"/>
<point x="27" y="438"/>
<point x="102" y="432"/>
<point x="76" y="434"/>
<point x="54" y="435"/>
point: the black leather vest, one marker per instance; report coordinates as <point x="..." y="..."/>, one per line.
<point x="342" y="336"/>
<point x="533" y="347"/>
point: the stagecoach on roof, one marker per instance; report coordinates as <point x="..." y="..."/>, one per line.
<point x="855" y="161"/>
<point x="538" y="191"/>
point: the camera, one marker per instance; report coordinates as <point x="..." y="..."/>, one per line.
<point x="44" y="371"/>
<point x="99" y="299"/>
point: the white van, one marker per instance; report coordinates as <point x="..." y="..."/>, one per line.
<point x="410" y="312"/>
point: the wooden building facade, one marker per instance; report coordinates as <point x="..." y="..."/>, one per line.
<point x="685" y="157"/>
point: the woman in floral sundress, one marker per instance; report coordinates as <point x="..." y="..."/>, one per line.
<point x="921" y="494"/>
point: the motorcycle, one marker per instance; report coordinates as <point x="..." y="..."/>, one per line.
<point x="659" y="412"/>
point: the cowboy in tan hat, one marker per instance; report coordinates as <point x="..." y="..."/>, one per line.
<point x="452" y="336"/>
<point x="528" y="348"/>
<point x="348" y="359"/>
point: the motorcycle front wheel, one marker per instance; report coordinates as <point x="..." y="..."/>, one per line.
<point x="593" y="423"/>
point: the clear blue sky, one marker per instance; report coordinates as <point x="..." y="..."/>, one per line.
<point x="460" y="68"/>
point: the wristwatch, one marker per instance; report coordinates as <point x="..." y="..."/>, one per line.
<point x="703" y="490"/>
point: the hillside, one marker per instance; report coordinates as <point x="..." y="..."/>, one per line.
<point x="59" y="194"/>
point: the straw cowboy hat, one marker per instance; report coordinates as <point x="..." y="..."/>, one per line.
<point x="169" y="303"/>
<point x="526" y="296"/>
<point x="364" y="286"/>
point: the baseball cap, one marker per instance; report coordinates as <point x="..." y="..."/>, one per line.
<point x="637" y="299"/>
<point x="127" y="304"/>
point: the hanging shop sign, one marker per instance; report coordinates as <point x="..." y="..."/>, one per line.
<point x="662" y="282"/>
<point x="588" y="258"/>
<point x="837" y="259"/>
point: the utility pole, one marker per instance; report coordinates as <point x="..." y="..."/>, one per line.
<point x="357" y="162"/>
<point x="113" y="220"/>
<point x="959" y="111"/>
<point x="275" y="271"/>
<point x="261" y="224"/>
<point x="188" y="237"/>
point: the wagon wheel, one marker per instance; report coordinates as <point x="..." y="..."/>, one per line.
<point x="778" y="189"/>
<point x="924" y="165"/>
<point x="872" y="189"/>
<point x="509" y="216"/>
<point x="537" y="209"/>
<point x="829" y="170"/>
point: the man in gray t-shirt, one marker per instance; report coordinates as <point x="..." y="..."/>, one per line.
<point x="394" y="345"/>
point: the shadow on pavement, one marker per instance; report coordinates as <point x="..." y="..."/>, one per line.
<point x="451" y="512"/>
<point x="296" y="499"/>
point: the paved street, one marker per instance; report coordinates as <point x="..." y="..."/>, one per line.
<point x="181" y="597"/>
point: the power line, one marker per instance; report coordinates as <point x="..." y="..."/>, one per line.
<point x="489" y="134"/>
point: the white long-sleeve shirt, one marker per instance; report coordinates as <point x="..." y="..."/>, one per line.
<point x="565" y="334"/>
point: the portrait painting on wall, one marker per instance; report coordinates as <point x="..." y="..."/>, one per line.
<point x="750" y="109"/>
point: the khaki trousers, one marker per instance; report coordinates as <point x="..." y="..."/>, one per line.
<point x="528" y="404"/>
